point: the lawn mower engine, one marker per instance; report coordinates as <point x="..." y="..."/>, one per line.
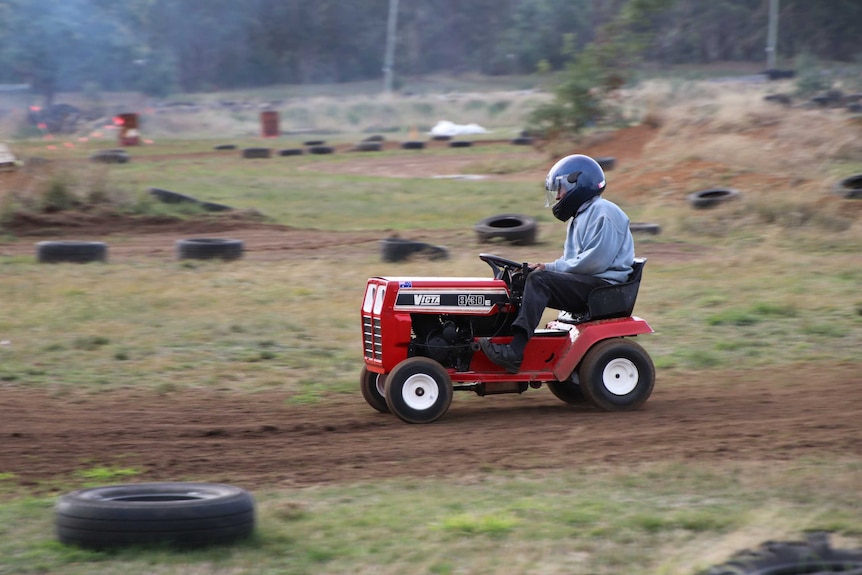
<point x="421" y="334"/>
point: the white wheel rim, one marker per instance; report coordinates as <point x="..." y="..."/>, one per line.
<point x="420" y="391"/>
<point x="620" y="376"/>
<point x="380" y="384"/>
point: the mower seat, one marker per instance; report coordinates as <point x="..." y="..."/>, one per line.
<point x="613" y="300"/>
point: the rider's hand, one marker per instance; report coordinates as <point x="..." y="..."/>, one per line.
<point x="536" y="266"/>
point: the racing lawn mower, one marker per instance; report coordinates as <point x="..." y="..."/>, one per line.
<point x="421" y="334"/>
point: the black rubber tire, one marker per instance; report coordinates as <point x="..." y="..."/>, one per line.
<point x="50" y="252"/>
<point x="441" y="138"/>
<point x="522" y="141"/>
<point x="214" y="207"/>
<point x="850" y="188"/>
<point x="321" y="150"/>
<point x="368" y="147"/>
<point x="514" y="228"/>
<point x="178" y="514"/>
<point x="814" y="555"/>
<point x="418" y="390"/>
<point x="110" y="157"/>
<point x="460" y="144"/>
<point x="291" y="152"/>
<point x="225" y="147"/>
<point x="373" y="387"/>
<point x="617" y="361"/>
<point x="210" y="248"/>
<point x="256" y="153"/>
<point x="169" y="197"/>
<point x="569" y="391"/>
<point x="645" y="228"/>
<point x="314" y="142"/>
<point x="374" y="138"/>
<point x="412" y="145"/>
<point x="607" y="163"/>
<point x="399" y="249"/>
<point x="712" y="197"/>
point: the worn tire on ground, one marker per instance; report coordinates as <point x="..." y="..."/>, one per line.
<point x="170" y="513"/>
<point x="460" y="144"/>
<point x="71" y="251"/>
<point x="321" y="150"/>
<point x="399" y="249"/>
<point x="712" y="197"/>
<point x="291" y="152"/>
<point x="514" y="228"/>
<point x="815" y="555"/>
<point x="645" y="228"/>
<point x="170" y="197"/>
<point x="412" y="145"/>
<point x="110" y="156"/>
<point x="210" y="248"/>
<point x="607" y="162"/>
<point x="256" y="153"/>
<point x="850" y="188"/>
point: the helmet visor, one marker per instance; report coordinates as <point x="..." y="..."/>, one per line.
<point x="552" y="189"/>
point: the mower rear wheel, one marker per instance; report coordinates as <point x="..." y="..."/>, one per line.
<point x="568" y="391"/>
<point x="373" y="386"/>
<point x="617" y="375"/>
<point x="418" y="390"/>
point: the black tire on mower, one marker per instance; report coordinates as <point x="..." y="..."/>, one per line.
<point x="373" y="387"/>
<point x="712" y="197"/>
<point x="815" y="555"/>
<point x="617" y="374"/>
<point x="170" y="513"/>
<point x="514" y="228"/>
<point x="568" y="391"/>
<point x="50" y="252"/>
<point x="209" y="248"/>
<point x="418" y="390"/>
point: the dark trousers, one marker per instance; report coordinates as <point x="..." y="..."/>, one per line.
<point x="557" y="290"/>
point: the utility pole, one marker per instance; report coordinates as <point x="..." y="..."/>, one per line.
<point x="772" y="35"/>
<point x="389" y="57"/>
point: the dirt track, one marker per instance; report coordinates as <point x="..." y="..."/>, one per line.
<point x="258" y="440"/>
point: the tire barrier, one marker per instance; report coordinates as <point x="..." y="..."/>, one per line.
<point x="175" y="514"/>
<point x="291" y="152"/>
<point x="522" y="141"/>
<point x="460" y="144"/>
<point x="850" y="188"/>
<point x="209" y="249"/>
<point x="169" y="197"/>
<point x="368" y="147"/>
<point x="712" y="197"/>
<point x="412" y="145"/>
<point x="50" y="252"/>
<point x="225" y="147"/>
<point x="399" y="249"/>
<point x="607" y="163"/>
<point x="256" y="153"/>
<point x="645" y="228"/>
<point x="513" y="228"/>
<point x="321" y="150"/>
<point x="814" y="555"/>
<point x="110" y="157"/>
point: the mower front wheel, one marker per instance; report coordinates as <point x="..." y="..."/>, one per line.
<point x="418" y="390"/>
<point x="568" y="391"/>
<point x="373" y="389"/>
<point x="617" y="375"/>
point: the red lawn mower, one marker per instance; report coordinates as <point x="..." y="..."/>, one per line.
<point x="421" y="334"/>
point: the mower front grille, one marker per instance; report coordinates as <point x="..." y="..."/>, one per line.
<point x="372" y="334"/>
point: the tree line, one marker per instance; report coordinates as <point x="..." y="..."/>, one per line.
<point x="165" y="46"/>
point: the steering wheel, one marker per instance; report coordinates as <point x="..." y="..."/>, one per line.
<point x="502" y="265"/>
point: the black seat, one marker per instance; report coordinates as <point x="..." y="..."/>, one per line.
<point x="617" y="300"/>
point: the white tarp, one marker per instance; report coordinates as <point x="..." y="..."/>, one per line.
<point x="447" y="128"/>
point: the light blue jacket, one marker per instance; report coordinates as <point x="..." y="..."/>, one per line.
<point x="598" y="243"/>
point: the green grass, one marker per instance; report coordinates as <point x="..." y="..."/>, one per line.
<point x="653" y="519"/>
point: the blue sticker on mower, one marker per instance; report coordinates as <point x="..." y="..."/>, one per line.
<point x="407" y="284"/>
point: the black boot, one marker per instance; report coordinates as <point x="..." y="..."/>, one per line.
<point x="501" y="354"/>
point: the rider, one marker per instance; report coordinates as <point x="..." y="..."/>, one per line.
<point x="599" y="250"/>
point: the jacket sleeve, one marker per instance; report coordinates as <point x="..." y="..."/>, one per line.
<point x="600" y="245"/>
